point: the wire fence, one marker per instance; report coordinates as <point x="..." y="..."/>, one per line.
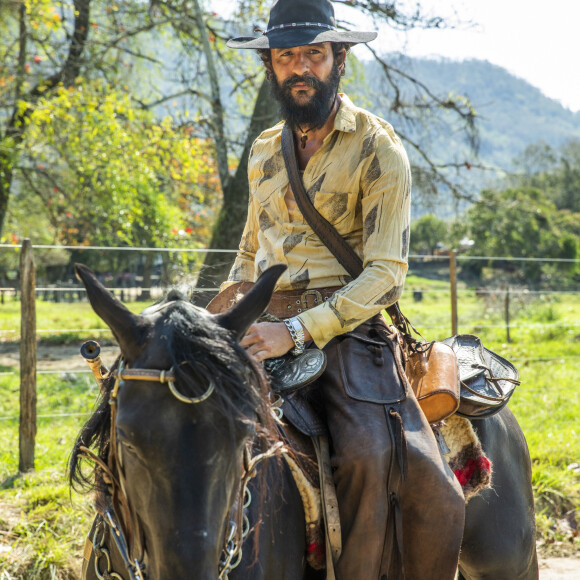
<point x="134" y="290"/>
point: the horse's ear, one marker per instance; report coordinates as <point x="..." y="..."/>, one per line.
<point x="243" y="314"/>
<point x="128" y="328"/>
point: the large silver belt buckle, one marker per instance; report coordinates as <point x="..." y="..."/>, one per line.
<point x="304" y="301"/>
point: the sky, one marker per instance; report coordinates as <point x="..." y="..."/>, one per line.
<point x="536" y="40"/>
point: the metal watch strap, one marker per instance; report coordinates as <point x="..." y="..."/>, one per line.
<point x="327" y="233"/>
<point x="297" y="333"/>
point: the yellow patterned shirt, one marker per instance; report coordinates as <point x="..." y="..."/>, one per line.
<point x="360" y="181"/>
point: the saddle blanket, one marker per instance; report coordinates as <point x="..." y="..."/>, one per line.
<point x="466" y="458"/>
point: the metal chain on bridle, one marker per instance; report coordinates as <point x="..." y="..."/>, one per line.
<point x="127" y="533"/>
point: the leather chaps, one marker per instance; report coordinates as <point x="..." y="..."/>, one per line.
<point x="401" y="508"/>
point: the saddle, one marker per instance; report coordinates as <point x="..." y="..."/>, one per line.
<point x="487" y="380"/>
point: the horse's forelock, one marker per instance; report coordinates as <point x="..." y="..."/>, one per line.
<point x="201" y="351"/>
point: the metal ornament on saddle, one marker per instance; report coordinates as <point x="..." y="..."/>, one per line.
<point x="291" y="371"/>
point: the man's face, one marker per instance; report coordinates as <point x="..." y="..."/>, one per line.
<point x="305" y="82"/>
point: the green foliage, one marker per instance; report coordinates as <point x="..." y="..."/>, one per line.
<point x="520" y="223"/>
<point x="535" y="218"/>
<point x="110" y="174"/>
<point x="107" y="170"/>
<point x="429" y="233"/>
<point x="555" y="171"/>
<point x="47" y="538"/>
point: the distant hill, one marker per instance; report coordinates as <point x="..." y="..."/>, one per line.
<point x="512" y="113"/>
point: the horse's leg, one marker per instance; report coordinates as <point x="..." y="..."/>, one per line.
<point x="276" y="551"/>
<point x="499" y="541"/>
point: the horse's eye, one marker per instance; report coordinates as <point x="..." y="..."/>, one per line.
<point x="128" y="447"/>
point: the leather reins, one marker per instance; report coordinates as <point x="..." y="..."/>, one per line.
<point x="128" y="534"/>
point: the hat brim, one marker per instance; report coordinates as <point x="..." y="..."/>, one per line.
<point x="291" y="37"/>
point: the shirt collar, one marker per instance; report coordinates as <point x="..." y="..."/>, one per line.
<point x="345" y="119"/>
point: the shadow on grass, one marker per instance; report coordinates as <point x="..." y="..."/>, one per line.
<point x="8" y="483"/>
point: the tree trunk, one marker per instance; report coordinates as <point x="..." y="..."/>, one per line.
<point x="17" y="125"/>
<point x="14" y="131"/>
<point x="232" y="217"/>
<point x="5" y="184"/>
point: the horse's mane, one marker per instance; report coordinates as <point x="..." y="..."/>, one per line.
<point x="200" y="351"/>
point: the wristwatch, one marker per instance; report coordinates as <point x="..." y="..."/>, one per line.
<point x="297" y="333"/>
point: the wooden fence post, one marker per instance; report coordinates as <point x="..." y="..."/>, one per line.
<point x="453" y="283"/>
<point x="27" y="432"/>
<point x="507" y="314"/>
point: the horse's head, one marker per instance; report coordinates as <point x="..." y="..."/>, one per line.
<point x="177" y="436"/>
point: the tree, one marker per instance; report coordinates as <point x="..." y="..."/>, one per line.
<point x="428" y="233"/>
<point x="171" y="53"/>
<point x="117" y="176"/>
<point x="114" y="54"/>
<point x="35" y="32"/>
<point x="520" y="223"/>
<point x="555" y="171"/>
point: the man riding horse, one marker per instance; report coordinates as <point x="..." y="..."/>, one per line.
<point x="394" y="489"/>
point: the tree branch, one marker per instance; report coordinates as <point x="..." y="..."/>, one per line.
<point x="217" y="107"/>
<point x="466" y="112"/>
<point x="436" y="170"/>
<point x="396" y="18"/>
<point x="166" y="98"/>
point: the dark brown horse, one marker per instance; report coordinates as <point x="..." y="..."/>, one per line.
<point x="185" y="425"/>
<point x="499" y="540"/>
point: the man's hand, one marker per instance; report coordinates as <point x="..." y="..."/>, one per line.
<point x="268" y="340"/>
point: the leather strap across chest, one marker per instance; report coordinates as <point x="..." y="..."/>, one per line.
<point x="327" y="233"/>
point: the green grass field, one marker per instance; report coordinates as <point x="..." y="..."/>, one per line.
<point x="51" y="523"/>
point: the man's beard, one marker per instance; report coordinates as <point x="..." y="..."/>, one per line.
<point x="316" y="111"/>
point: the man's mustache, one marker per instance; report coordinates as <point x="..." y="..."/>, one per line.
<point x="297" y="79"/>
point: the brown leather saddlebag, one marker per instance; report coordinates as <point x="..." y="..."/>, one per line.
<point x="431" y="368"/>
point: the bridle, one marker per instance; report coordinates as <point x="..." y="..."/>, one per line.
<point x="120" y="522"/>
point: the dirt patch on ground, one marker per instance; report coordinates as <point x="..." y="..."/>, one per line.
<point x="9" y="517"/>
<point x="55" y="357"/>
<point x="560" y="569"/>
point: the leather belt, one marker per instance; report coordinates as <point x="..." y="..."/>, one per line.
<point x="287" y="303"/>
<point x="284" y="303"/>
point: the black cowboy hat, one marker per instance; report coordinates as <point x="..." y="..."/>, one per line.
<point x="301" y="22"/>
